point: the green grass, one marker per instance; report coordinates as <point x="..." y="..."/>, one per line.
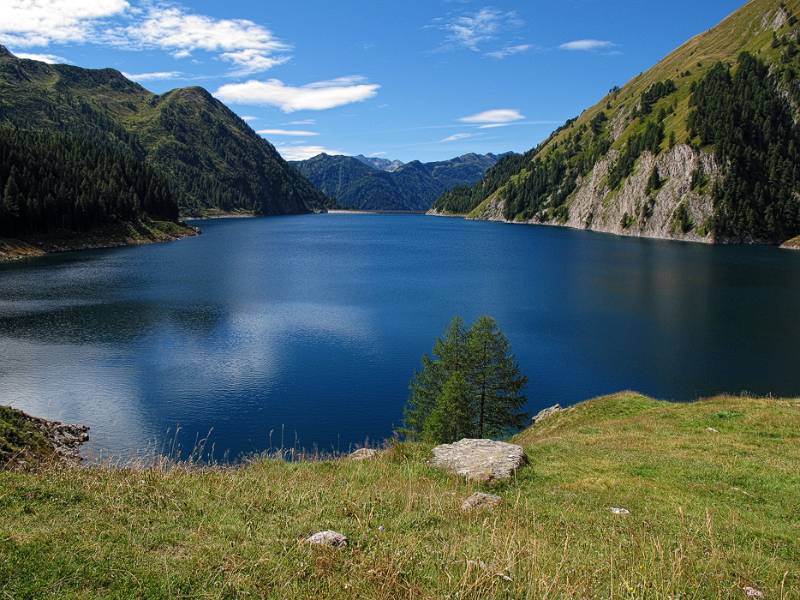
<point x="20" y="440"/>
<point x="711" y="512"/>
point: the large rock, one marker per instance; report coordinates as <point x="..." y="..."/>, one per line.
<point x="480" y="460"/>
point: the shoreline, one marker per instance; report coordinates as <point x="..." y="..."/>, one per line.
<point x="345" y="211"/>
<point x="115" y="236"/>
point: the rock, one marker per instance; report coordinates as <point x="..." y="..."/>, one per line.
<point x="480" y="501"/>
<point x="363" y="454"/>
<point x="334" y="539"/>
<point x="711" y="430"/>
<point x="753" y="592"/>
<point x="619" y="511"/>
<point x="480" y="460"/>
<point x="547" y="412"/>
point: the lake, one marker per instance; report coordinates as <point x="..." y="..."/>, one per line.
<point x="304" y="331"/>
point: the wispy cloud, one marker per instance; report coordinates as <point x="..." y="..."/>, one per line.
<point x="154" y="76"/>
<point x="42" y="22"/>
<point x="320" y="95"/>
<point x="303" y="122"/>
<point x="50" y="59"/>
<point x="485" y="27"/>
<point x="498" y="117"/>
<point x="305" y="152"/>
<point x="456" y="137"/>
<point x="587" y="45"/>
<point x="289" y="132"/>
<point x="248" y="118"/>
<point x="509" y="51"/>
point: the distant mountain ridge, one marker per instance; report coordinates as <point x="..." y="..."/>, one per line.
<point x="704" y="146"/>
<point x="210" y="157"/>
<point x="382" y="164"/>
<point x="361" y="183"/>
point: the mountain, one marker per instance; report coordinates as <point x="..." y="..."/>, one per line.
<point x="705" y="146"/>
<point x="382" y="164"/>
<point x="360" y="183"/>
<point x="210" y="158"/>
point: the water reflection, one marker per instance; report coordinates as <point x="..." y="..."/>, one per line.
<point x="313" y="325"/>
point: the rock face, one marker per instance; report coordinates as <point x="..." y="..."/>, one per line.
<point x="480" y="501"/>
<point x="480" y="460"/>
<point x="333" y="539"/>
<point x="630" y="211"/>
<point x="363" y="454"/>
<point x="547" y="412"/>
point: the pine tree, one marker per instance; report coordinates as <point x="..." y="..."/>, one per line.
<point x="449" y="356"/>
<point x="11" y="195"/>
<point x="469" y="387"/>
<point x="451" y="417"/>
<point x="497" y="380"/>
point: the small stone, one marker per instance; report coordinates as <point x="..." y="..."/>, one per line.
<point x="480" y="501"/>
<point x="711" y="430"/>
<point x="363" y="454"/>
<point x="619" y="511"/>
<point x="753" y="592"/>
<point x="480" y="460"/>
<point x="547" y="412"/>
<point x="334" y="539"/>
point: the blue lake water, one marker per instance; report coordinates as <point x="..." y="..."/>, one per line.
<point x="308" y="328"/>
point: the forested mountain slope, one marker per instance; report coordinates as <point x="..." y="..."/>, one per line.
<point x="704" y="146"/>
<point x="379" y="184"/>
<point x="211" y="159"/>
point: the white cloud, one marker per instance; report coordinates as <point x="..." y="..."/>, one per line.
<point x="248" y="118"/>
<point x="305" y="152"/>
<point x="50" y="59"/>
<point x="494" y="118"/>
<point x="320" y="95"/>
<point x="377" y="154"/>
<point x="509" y="51"/>
<point x="587" y="45"/>
<point x="303" y="122"/>
<point x="456" y="137"/>
<point x="41" y="22"/>
<point x="153" y="76"/>
<point x="250" y="47"/>
<point x="474" y="30"/>
<point x="289" y="132"/>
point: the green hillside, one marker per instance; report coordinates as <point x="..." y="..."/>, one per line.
<point x="711" y="488"/>
<point x="210" y="157"/>
<point x="703" y="146"/>
<point x="379" y="184"/>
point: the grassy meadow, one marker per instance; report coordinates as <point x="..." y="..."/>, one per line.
<point x="713" y="490"/>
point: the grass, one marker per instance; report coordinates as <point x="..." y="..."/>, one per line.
<point x="711" y="512"/>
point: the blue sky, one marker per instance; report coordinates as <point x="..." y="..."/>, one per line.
<point x="409" y="80"/>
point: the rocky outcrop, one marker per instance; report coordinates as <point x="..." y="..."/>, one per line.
<point x="546" y="412"/>
<point x="792" y="244"/>
<point x="26" y="440"/>
<point x="674" y="211"/>
<point x="480" y="460"/>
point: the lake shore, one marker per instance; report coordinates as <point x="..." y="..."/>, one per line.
<point x="123" y="234"/>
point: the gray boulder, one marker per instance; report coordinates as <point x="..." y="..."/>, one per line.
<point x="480" y="460"/>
